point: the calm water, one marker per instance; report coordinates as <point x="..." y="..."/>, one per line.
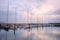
<point x="46" y="33"/>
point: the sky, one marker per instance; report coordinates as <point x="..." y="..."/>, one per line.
<point x="30" y="11"/>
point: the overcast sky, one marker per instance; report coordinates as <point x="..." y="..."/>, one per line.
<point x="46" y="11"/>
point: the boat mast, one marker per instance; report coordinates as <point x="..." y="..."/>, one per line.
<point x="7" y="12"/>
<point x="37" y="21"/>
<point x="28" y="15"/>
<point x="15" y="21"/>
<point x="28" y="20"/>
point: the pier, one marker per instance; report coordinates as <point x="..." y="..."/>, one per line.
<point x="28" y="25"/>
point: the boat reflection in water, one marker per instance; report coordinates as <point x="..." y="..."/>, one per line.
<point x="38" y="33"/>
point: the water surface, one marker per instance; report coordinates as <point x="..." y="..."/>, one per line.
<point x="46" y="33"/>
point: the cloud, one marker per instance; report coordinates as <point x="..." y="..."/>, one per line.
<point x="32" y="8"/>
<point x="57" y="12"/>
<point x="54" y="16"/>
